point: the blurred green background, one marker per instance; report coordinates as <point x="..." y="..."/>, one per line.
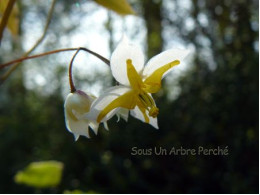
<point x="212" y="103"/>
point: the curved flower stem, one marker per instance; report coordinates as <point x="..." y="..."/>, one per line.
<point x="6" y="75"/>
<point x="35" y="56"/>
<point x="53" y="52"/>
<point x="96" y="54"/>
<point x="72" y="86"/>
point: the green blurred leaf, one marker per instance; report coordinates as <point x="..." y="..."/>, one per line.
<point x="73" y="192"/>
<point x="40" y="174"/>
<point x="13" y="19"/>
<point x="119" y="6"/>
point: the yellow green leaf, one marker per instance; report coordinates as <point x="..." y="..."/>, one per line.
<point x="13" y="20"/>
<point x="43" y="174"/>
<point x="119" y="6"/>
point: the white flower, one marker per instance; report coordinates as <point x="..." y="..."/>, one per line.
<point x="137" y="82"/>
<point x="76" y="105"/>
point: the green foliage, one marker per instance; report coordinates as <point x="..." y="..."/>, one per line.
<point x="43" y="174"/>
<point x="12" y="20"/>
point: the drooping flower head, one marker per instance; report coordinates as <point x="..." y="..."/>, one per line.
<point x="76" y="105"/>
<point x="137" y="82"/>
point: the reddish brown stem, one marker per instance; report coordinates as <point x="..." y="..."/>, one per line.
<point x="72" y="86"/>
<point x="55" y="51"/>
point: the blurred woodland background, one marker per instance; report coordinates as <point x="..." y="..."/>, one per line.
<point x="215" y="104"/>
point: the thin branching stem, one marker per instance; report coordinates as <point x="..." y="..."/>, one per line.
<point x="6" y="75"/>
<point x="26" y="56"/>
<point x="53" y="52"/>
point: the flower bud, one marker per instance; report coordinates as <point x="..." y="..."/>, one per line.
<point x="76" y="105"/>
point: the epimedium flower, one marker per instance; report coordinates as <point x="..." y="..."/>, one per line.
<point x="136" y="82"/>
<point x="76" y="105"/>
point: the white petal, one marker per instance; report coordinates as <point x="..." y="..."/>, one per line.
<point x="106" y="126"/>
<point x="118" y="117"/>
<point x="124" y="51"/>
<point x="75" y="106"/>
<point x="123" y="113"/>
<point x="76" y="137"/>
<point x="94" y="126"/>
<point x="136" y="112"/>
<point x="77" y="127"/>
<point x="79" y="103"/>
<point x="104" y="100"/>
<point x="164" y="58"/>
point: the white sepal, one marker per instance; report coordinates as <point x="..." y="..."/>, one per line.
<point x="164" y="58"/>
<point x="136" y="112"/>
<point x="123" y="113"/>
<point x="124" y="51"/>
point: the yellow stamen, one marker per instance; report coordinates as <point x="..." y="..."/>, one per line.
<point x="153" y="112"/>
<point x="142" y="109"/>
<point x="146" y="102"/>
<point x="139" y="95"/>
<point x="146" y="99"/>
